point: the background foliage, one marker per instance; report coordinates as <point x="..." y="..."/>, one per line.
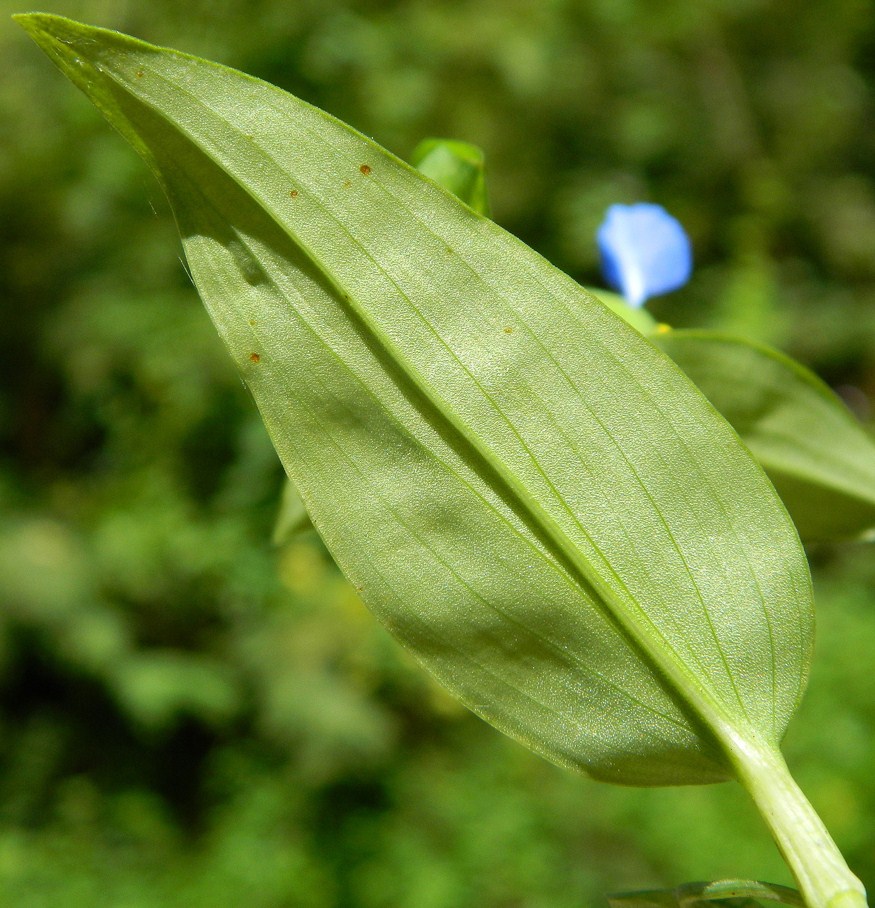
<point x="190" y="717"/>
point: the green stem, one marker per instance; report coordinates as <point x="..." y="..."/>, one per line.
<point x="820" y="870"/>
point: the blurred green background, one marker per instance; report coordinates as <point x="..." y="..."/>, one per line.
<point x="190" y="717"/>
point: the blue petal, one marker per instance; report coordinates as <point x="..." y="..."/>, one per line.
<point x="645" y="251"/>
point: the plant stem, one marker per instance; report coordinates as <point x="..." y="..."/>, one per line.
<point x="820" y="870"/>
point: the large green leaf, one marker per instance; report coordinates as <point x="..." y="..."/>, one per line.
<point x="533" y="498"/>
<point x="818" y="456"/>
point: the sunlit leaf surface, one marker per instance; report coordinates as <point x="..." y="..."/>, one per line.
<point x="532" y="497"/>
<point x="459" y="168"/>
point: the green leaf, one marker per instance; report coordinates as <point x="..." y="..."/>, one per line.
<point x="719" y="894"/>
<point x="640" y="319"/>
<point x="530" y="495"/>
<point x="292" y="517"/>
<point x="819" y="457"/>
<point x="459" y="168"/>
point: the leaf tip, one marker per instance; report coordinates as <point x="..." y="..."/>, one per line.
<point x="30" y="22"/>
<point x="41" y="26"/>
<point x="55" y="35"/>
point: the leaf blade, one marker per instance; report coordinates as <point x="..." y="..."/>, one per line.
<point x="428" y="343"/>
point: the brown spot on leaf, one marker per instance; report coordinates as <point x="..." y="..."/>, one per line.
<point x="294" y="193"/>
<point x="365" y="169"/>
<point x="255" y="357"/>
<point x="140" y="73"/>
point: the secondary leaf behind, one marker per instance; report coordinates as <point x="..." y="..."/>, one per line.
<point x="820" y="458"/>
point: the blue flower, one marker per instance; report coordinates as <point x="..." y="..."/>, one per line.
<point x="645" y="251"/>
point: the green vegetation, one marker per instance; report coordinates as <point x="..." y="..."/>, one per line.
<point x="192" y="717"/>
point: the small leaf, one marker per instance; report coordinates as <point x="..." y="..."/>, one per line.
<point x="292" y="517"/>
<point x="719" y="894"/>
<point x="817" y="454"/>
<point x="640" y="319"/>
<point x="527" y="492"/>
<point x="459" y="167"/>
